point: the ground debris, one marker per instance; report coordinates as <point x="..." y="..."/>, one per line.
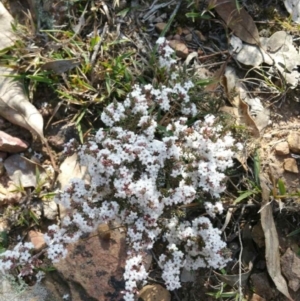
<point x="290" y="265"/>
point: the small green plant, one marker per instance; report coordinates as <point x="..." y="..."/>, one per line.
<point x="3" y="241"/>
<point x="221" y="294"/>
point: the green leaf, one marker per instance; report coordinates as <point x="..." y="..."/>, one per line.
<point x="256" y="167"/>
<point x="293" y="233"/>
<point x="163" y="131"/>
<point x="3" y="239"/>
<point x="244" y="196"/>
<point x="34" y="217"/>
<point x="123" y="12"/>
<point x="281" y="187"/>
<point x="198" y="15"/>
<point x="204" y="82"/>
<point x="40" y="78"/>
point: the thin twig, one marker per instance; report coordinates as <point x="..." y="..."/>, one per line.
<point x="98" y="45"/>
<point x="240" y="264"/>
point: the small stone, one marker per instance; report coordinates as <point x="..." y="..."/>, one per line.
<point x="180" y="48"/>
<point x="189" y="37"/>
<point x="262" y="286"/>
<point x="60" y="134"/>
<point x="104" y="231"/>
<point x="11" y="144"/>
<point x="258" y="235"/>
<point x="23" y="171"/>
<point x="200" y="36"/>
<point x="154" y="292"/>
<point x="50" y="210"/>
<point x="3" y="224"/>
<point x="37" y="239"/>
<point x="256" y="297"/>
<point x="282" y="148"/>
<point x="294" y="142"/>
<point x="290" y="264"/>
<point x="186" y="31"/>
<point x="267" y="136"/>
<point x="187" y="275"/>
<point x="177" y="37"/>
<point x="160" y="26"/>
<point x="158" y="20"/>
<point x="290" y="164"/>
<point x="94" y="267"/>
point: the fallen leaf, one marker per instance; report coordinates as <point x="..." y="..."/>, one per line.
<point x="15" y="106"/>
<point x="277" y="40"/>
<point x="278" y="50"/>
<point x="22" y="171"/>
<point x="293" y="7"/>
<point x="7" y="36"/>
<point x="216" y="78"/>
<point x="237" y="96"/>
<point x="250" y="55"/>
<point x="61" y="66"/>
<point x="271" y="240"/>
<point x="237" y="19"/>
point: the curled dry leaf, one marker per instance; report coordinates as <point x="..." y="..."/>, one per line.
<point x="15" y="106"/>
<point x="236" y="94"/>
<point x="278" y="50"/>
<point x="271" y="240"/>
<point x="237" y="19"/>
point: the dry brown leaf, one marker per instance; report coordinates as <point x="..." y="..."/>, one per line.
<point x="271" y="240"/>
<point x="15" y="106"/>
<point x="236" y="93"/>
<point x="216" y="78"/>
<point x="237" y="19"/>
<point x="61" y="66"/>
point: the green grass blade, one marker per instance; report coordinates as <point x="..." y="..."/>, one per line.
<point x="281" y="187"/>
<point x="256" y="167"/>
<point x="243" y="196"/>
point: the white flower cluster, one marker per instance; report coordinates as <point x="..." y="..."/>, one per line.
<point x="136" y="179"/>
<point x="201" y="242"/>
<point x="134" y="271"/>
<point x="172" y="266"/>
<point x="20" y="257"/>
<point x="213" y="209"/>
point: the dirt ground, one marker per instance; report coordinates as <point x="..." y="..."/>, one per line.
<point x="203" y="45"/>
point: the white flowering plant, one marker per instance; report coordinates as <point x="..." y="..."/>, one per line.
<point x="139" y="174"/>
